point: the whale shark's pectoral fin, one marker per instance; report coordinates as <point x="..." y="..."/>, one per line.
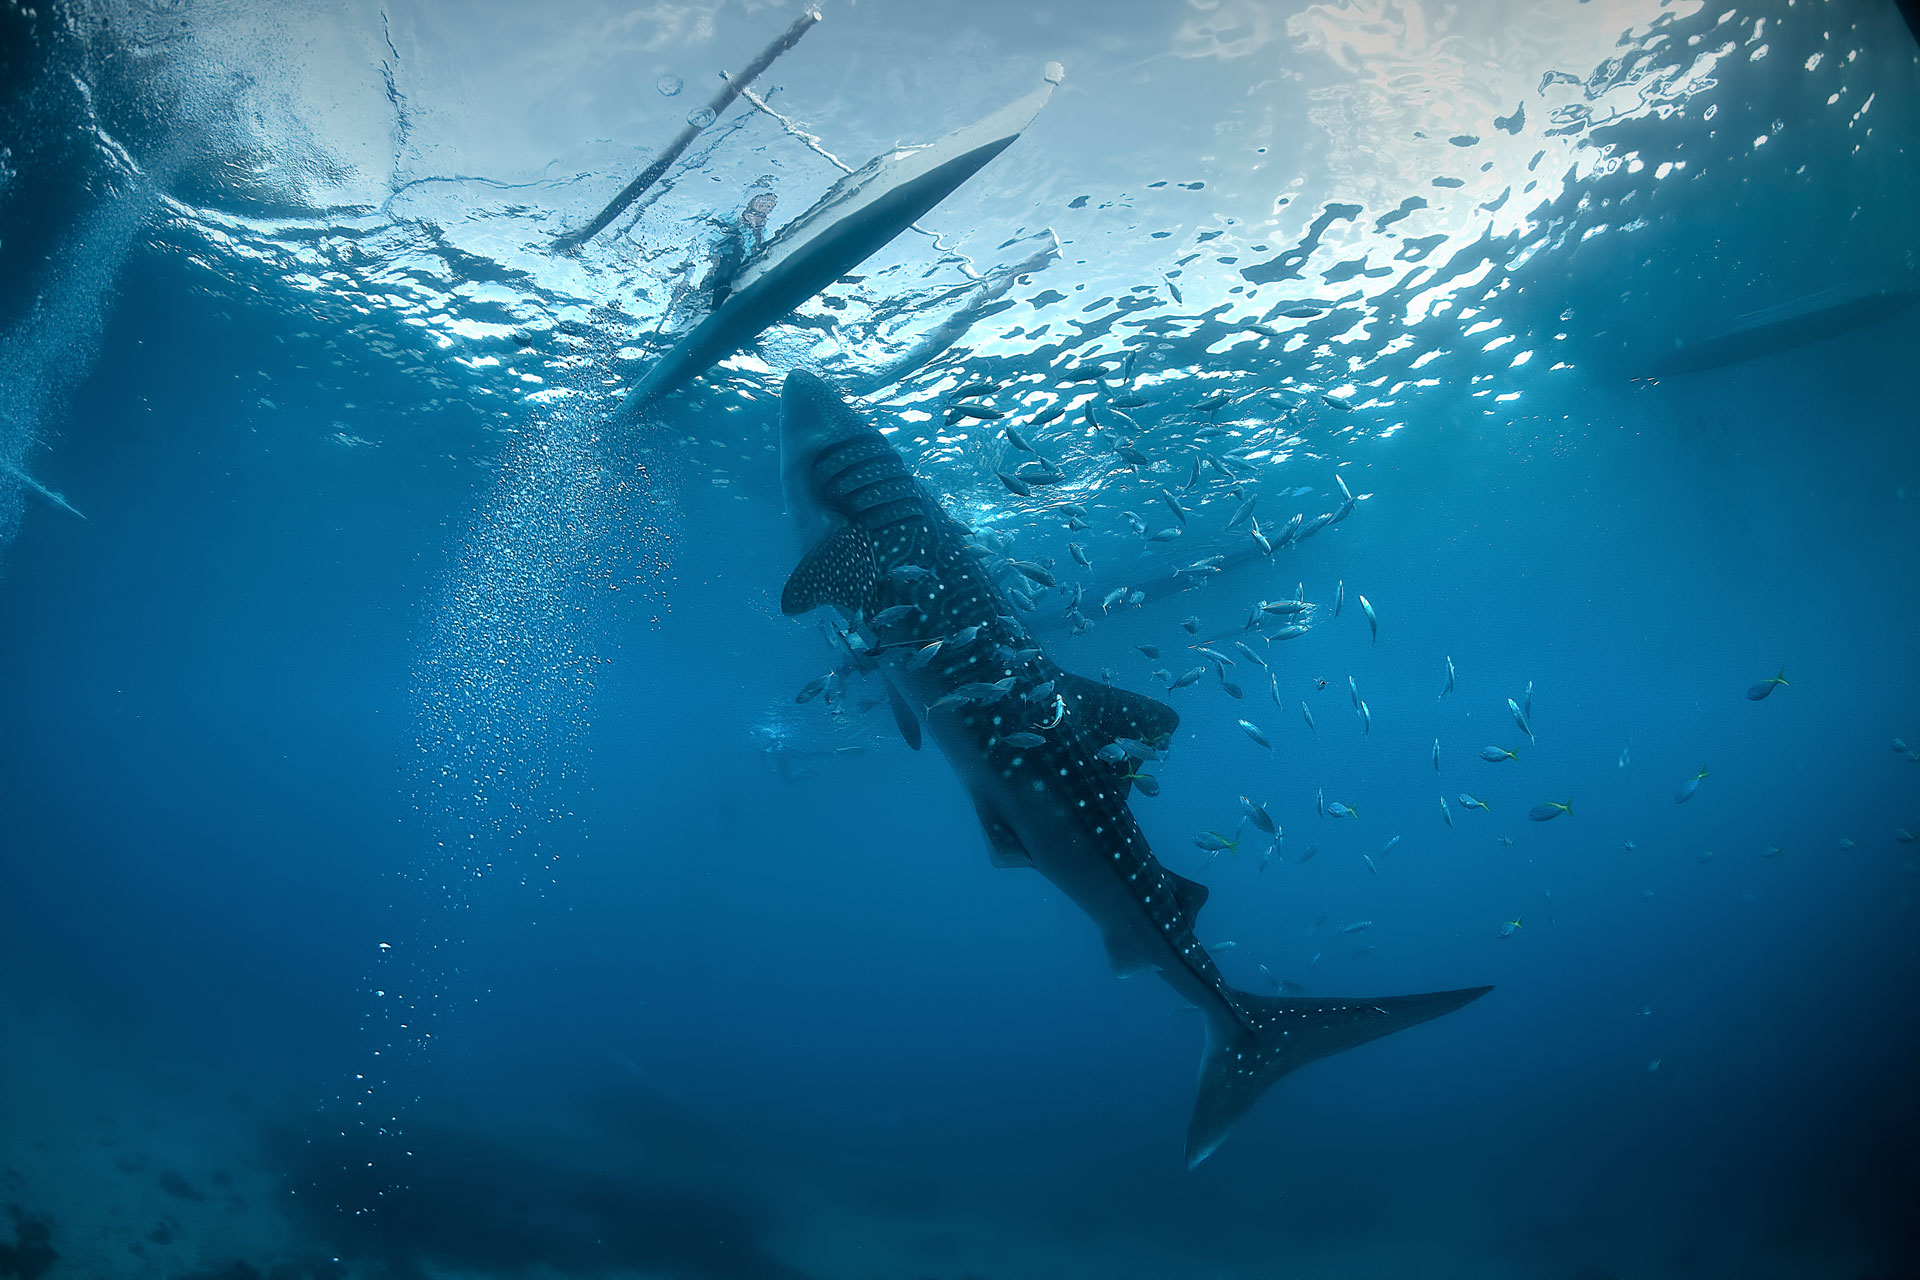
<point x="1126" y="961"/>
<point x="840" y="571"/>
<point x="903" y="717"/>
<point x="1003" y="846"/>
<point x="1119" y="713"/>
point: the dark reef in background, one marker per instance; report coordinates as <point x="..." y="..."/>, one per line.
<point x="481" y="1202"/>
<point x="32" y="1251"/>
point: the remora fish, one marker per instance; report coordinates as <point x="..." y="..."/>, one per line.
<point x="1054" y="807"/>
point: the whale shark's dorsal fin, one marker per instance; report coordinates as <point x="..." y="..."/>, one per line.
<point x="1119" y="713"/>
<point x="1124" y="957"/>
<point x="840" y="571"/>
<point x="1191" y="894"/>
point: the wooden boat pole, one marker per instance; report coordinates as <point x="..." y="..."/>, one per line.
<point x="721" y="101"/>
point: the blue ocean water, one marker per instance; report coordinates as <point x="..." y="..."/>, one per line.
<point x="414" y="859"/>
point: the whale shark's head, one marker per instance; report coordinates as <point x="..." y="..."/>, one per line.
<point x="834" y="465"/>
<point x="813" y="418"/>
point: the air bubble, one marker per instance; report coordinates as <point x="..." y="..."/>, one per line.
<point x="669" y="85"/>
<point x="700" y="117"/>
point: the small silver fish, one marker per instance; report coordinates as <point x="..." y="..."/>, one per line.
<point x="1436" y="755"/>
<point x="1373" y="623"/>
<point x="1449" y="689"/>
<point x="1446" y="812"/>
<point x="1519" y="718"/>
<point x="1305" y="710"/>
<point x="1252" y="730"/>
<point x="1258" y="815"/>
<point x="985" y="691"/>
<point x="1034" y="573"/>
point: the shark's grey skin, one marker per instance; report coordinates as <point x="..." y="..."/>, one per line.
<point x="1055" y="807"/>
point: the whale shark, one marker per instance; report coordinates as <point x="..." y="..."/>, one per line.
<point x="1046" y="756"/>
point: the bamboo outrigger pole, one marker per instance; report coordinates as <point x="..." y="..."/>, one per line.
<point x="721" y="101"/>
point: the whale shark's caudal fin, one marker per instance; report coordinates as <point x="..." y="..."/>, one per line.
<point x="1290" y="1032"/>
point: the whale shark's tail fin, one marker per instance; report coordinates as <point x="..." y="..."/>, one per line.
<point x="1289" y="1032"/>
